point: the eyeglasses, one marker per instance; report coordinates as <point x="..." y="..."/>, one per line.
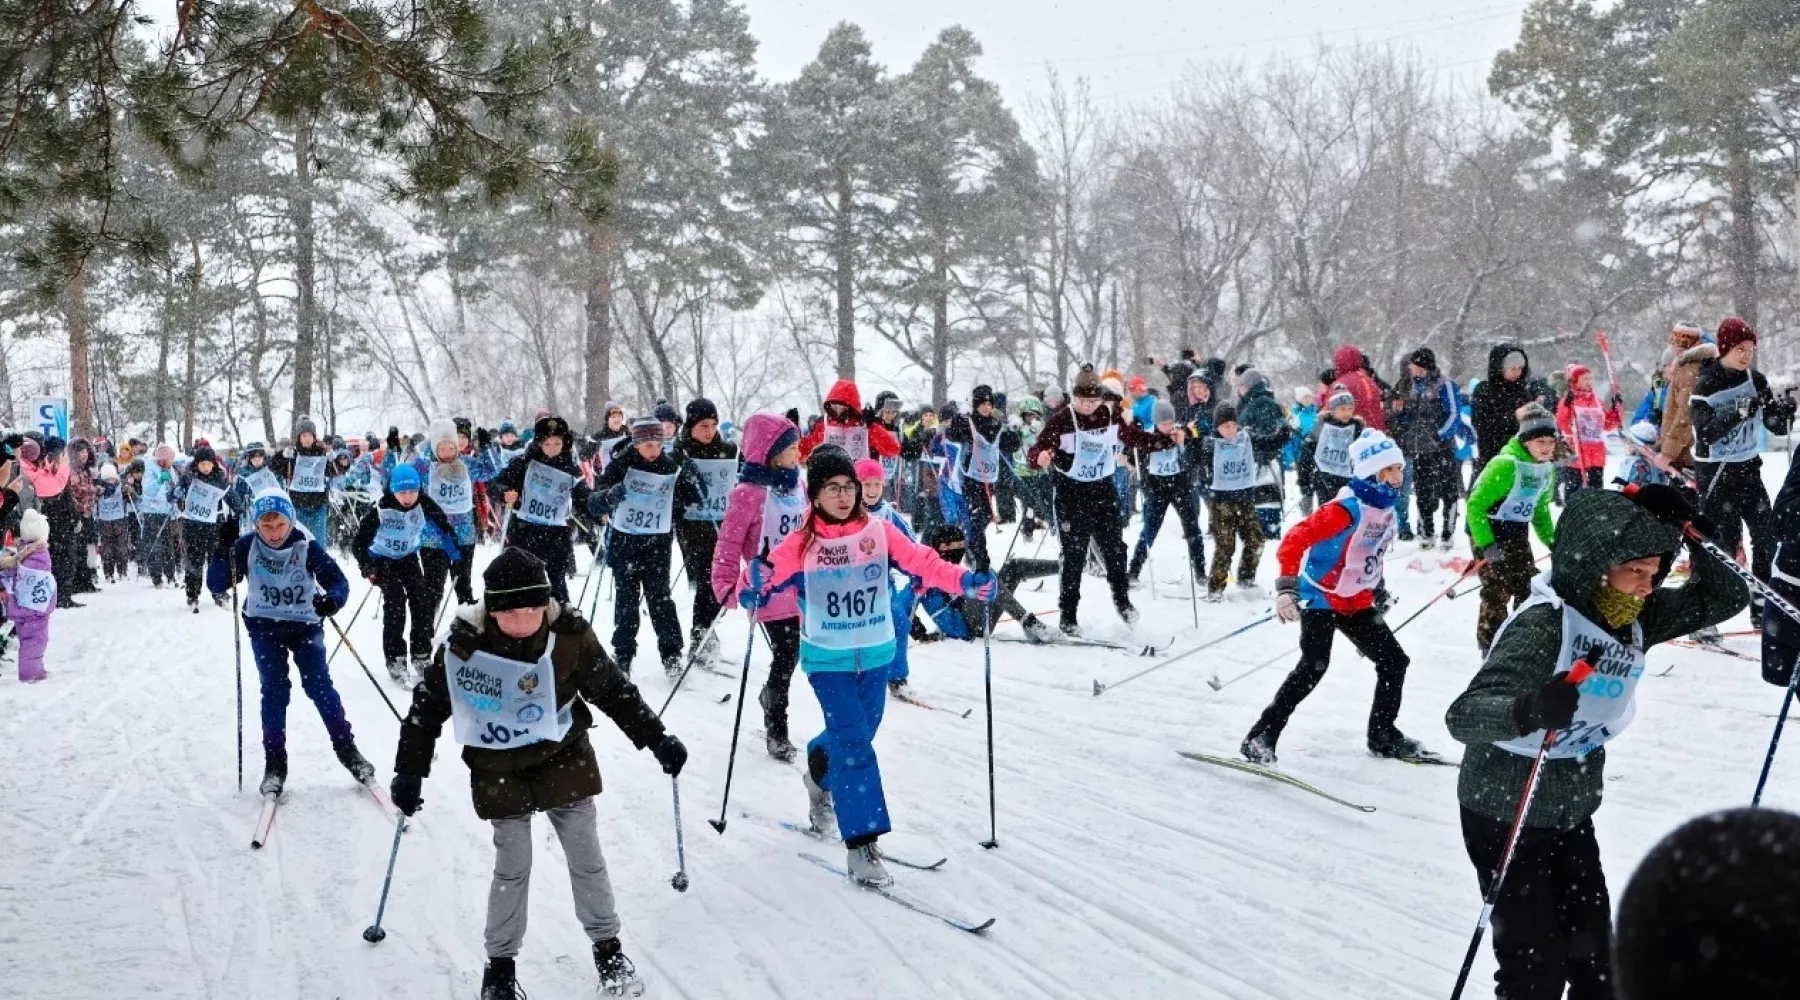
<point x="840" y="489"/>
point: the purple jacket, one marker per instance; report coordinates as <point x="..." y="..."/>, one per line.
<point x="37" y="560"/>
<point x="742" y="528"/>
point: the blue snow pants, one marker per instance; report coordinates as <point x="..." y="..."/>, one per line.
<point x="842" y="758"/>
<point x="270" y="643"/>
<point x="314" y="519"/>
<point x="902" y="605"/>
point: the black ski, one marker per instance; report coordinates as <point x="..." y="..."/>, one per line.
<point x="925" y="909"/>
<point x="918" y="866"/>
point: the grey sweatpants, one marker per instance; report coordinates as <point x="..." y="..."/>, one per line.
<point x="510" y="894"/>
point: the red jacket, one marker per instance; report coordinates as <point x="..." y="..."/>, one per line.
<point x="1587" y="437"/>
<point x="1325" y="523"/>
<point x="882" y="441"/>
<point x="1348" y="360"/>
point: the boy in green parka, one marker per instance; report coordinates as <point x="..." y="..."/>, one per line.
<point x="1511" y="497"/>
<point x="1552" y="919"/>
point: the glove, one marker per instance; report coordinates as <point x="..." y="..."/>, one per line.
<point x="980" y="586"/>
<point x="670" y="754"/>
<point x="1670" y="506"/>
<point x="371" y="572"/>
<point x="324" y="606"/>
<point x="404" y="790"/>
<point x="288" y="453"/>
<point x="1384" y="601"/>
<point x="1549" y="707"/>
<point x="463" y="638"/>
<point x="869" y="416"/>
<point x="482" y="438"/>
<point x="1492" y="554"/>
<point x="393" y="440"/>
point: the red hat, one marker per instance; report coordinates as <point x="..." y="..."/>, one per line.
<point x="1576" y="371"/>
<point x="1732" y="332"/>
<point x="1137" y="384"/>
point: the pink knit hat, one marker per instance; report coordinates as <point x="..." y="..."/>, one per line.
<point x="869" y="468"/>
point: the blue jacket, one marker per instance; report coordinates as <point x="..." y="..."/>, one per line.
<point x="220" y="576"/>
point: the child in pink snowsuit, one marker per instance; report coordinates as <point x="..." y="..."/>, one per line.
<point x="30" y="594"/>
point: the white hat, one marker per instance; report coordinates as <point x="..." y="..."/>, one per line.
<point x="33" y="527"/>
<point x="1645" y="432"/>
<point x="1373" y="451"/>
<point x="440" y="431"/>
<point x="109" y="473"/>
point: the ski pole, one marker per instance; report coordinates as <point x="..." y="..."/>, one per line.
<point x="365" y="669"/>
<point x="987" y="685"/>
<point x="1100" y="688"/>
<point x="1440" y="596"/>
<point x="1576" y="675"/>
<point x="373" y="933"/>
<point x="237" y="654"/>
<point x="736" y="727"/>
<point x="679" y="880"/>
<point x="692" y="657"/>
<point x="1217" y="685"/>
<point x="605" y="553"/>
<point x="353" y="616"/>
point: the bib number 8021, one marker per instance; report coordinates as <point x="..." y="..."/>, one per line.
<point x="856" y="603"/>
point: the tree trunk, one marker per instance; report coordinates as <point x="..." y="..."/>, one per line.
<point x="162" y="355"/>
<point x="597" y="308"/>
<point x="940" y="323"/>
<point x="190" y="385"/>
<point x="1743" y="250"/>
<point x="843" y="260"/>
<point x="75" y="317"/>
<point x="6" y="389"/>
<point x="305" y="302"/>
<point x="1134" y="317"/>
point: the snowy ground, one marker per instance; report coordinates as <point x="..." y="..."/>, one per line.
<point x="1123" y="870"/>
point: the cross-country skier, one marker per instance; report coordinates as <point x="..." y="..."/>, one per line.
<point x="1509" y="501"/>
<point x="1168" y="482"/>
<point x="253" y="477"/>
<point x="201" y="494"/>
<point x="974" y="470"/>
<point x="452" y="479"/>
<point x="1552" y="919"/>
<point x="1427" y="425"/>
<point x="960" y="618"/>
<point x="1584" y="420"/>
<point x="638" y="495"/>
<point x="1332" y="581"/>
<point x="1727" y="399"/>
<point x="545" y="484"/>
<point x="850" y="427"/>
<point x="701" y="448"/>
<point x="529" y="752"/>
<point x="1226" y="474"/>
<point x="386" y="548"/>
<point x="839" y="561"/>
<point x="872" y="476"/>
<point x="115" y="512"/>
<point x="1081" y="443"/>
<point x="1322" y="468"/>
<point x="765" y="507"/>
<point x="302" y="467"/>
<point x="1781" y="635"/>
<point x="157" y="506"/>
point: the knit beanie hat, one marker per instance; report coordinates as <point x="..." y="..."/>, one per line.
<point x="1373" y="451"/>
<point x="1137" y="385"/>
<point x="665" y="412"/>
<point x="1224" y="413"/>
<point x="1535" y="422"/>
<point x="1513" y="359"/>
<point x="869" y="468"/>
<point x="272" y="502"/>
<point x="982" y="394"/>
<point x="205" y="453"/>
<point x="1054" y="397"/>
<point x="1732" y="332"/>
<point x="827" y="461"/>
<point x="701" y="409"/>
<point x="30" y="450"/>
<point x="1251" y="378"/>
<point x="109" y="473"/>
<point x="33" y="527"/>
<point x="403" y="478"/>
<point x="1087" y="384"/>
<point x="1644" y="432"/>
<point x="646" y="429"/>
<point x="305" y="425"/>
<point x="548" y="426"/>
<point x="1425" y="358"/>
<point x="1340" y="396"/>
<point x="163" y="453"/>
<point x="441" y="431"/>
<point x="1162" y="412"/>
<point x="515" y="579"/>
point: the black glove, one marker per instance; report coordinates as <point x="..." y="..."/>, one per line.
<point x="393" y="439"/>
<point x="483" y="439"/>
<point x="870" y="417"/>
<point x="324" y="606"/>
<point x="405" y="791"/>
<point x="1384" y="601"/>
<point x="670" y="754"/>
<point x="463" y="638"/>
<point x="1671" y="506"/>
<point x="1549" y="707"/>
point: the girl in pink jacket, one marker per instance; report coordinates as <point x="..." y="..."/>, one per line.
<point x="1584" y="421"/>
<point x="838" y="561"/>
<point x="30" y="593"/>
<point x="764" y="507"/>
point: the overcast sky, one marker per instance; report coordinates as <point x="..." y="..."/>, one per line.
<point x="1131" y="50"/>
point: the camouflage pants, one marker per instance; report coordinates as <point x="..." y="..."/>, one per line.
<point x="1232" y="523"/>
<point x="1505" y="583"/>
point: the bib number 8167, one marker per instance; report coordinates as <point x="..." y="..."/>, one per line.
<point x="856" y="603"/>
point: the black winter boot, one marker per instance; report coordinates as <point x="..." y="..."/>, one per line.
<point x="499" y="981"/>
<point x="274" y="773"/>
<point x="618" y="977"/>
<point x="354" y="762"/>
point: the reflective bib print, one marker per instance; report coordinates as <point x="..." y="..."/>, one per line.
<point x="202" y="502"/>
<point x="1096" y="454"/>
<point x="1530" y="480"/>
<point x="454" y="493"/>
<point x="782" y="513"/>
<point x="502" y="704"/>
<point x="309" y="474"/>
<point x="717" y="477"/>
<point x="847" y="590"/>
<point x="34" y="589"/>
<point x="649" y="502"/>
<point x="279" y="585"/>
<point x="1609" y="695"/>
<point x="1740" y="444"/>
<point x="853" y="438"/>
<point x="111" y="507"/>
<point x="1233" y="465"/>
<point x="1332" y="453"/>
<point x="1165" y="463"/>
<point x="398" y="535"/>
<point x="545" y="498"/>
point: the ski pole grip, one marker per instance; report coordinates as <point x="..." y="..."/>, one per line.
<point x="1583" y="667"/>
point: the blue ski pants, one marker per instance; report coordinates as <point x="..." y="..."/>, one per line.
<point x="842" y="758"/>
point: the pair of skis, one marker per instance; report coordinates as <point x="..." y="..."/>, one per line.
<point x="1135" y="649"/>
<point x="1246" y="767"/>
<point x="271" y="804"/>
<point x="892" y="894"/>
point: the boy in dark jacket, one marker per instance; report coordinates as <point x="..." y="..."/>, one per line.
<point x="974" y="469"/>
<point x="292" y="585"/>
<point x="1494" y="407"/>
<point x="1322" y="468"/>
<point x="530" y="753"/>
<point x="703" y="452"/>
<point x="202" y="493"/>
<point x="540" y="488"/>
<point x="637" y="495"/>
<point x="1226" y="474"/>
<point x="1509" y="501"/>
<point x="1168" y="482"/>
<point x="1260" y="418"/>
<point x="302" y="466"/>
<point x="387" y="553"/>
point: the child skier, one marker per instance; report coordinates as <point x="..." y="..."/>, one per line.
<point x="254" y="477"/>
<point x="764" y="508"/>
<point x="1584" y="421"/>
<point x="156" y="504"/>
<point x="960" y="618"/>
<point x="1081" y="443"/>
<point x="202" y="494"/>
<point x="541" y="487"/>
<point x="113" y="511"/>
<point x="1642" y="468"/>
<point x="293" y="584"/>
<point x="30" y="593"/>
<point x="1322" y="467"/>
<point x="871" y="475"/>
<point x="386" y="548"/>
<point x="1227" y="475"/>
<point x="967" y="486"/>
<point x="1331" y="581"/>
<point x="1167" y="483"/>
<point x="848" y="426"/>
<point x="702" y="448"/>
<point x="520" y="631"/>
<point x="838" y="561"/>
<point x="1552" y="919"/>
<point x="452" y="480"/>
<point x="301" y="466"/>
<point x="1511" y="498"/>
<point x="638" y="495"/>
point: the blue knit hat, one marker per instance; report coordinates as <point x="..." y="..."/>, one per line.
<point x="272" y="502"/>
<point x="403" y="478"/>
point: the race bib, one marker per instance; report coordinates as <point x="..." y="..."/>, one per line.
<point x="1096" y="454"/>
<point x="607" y="446"/>
<point x="1609" y="695"/>
<point x="847" y="595"/>
<point x="34" y="589"/>
<point x="1369" y="540"/>
<point x="155" y="496"/>
<point x="984" y="457"/>
<point x="260" y="480"/>
<point x="1165" y="463"/>
<point x="782" y="513"/>
<point x="398" y="534"/>
<point x="111" y="507"/>
<point x="717" y="477"/>
<point x="202" y="501"/>
<point x="853" y="438"/>
<point x="1332" y="453"/>
<point x="649" y="500"/>
<point x="1740" y="444"/>
<point x="545" y="499"/>
<point x="1590" y="423"/>
<point x="501" y="704"/>
<point x="309" y="474"/>
<point x="1530" y="480"/>
<point x="279" y="585"/>
<point x="455" y="494"/>
<point x="1233" y="465"/>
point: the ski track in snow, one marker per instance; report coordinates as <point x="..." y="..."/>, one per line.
<point x="1123" y="871"/>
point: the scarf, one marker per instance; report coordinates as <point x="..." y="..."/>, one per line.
<point x="771" y="477"/>
<point x="1374" y="493"/>
<point x="1618" y="609"/>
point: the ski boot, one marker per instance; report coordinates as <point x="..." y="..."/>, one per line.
<point x="1405" y="535"/>
<point x="897" y="687"/>
<point x="618" y="977"/>
<point x="1447" y="542"/>
<point x="1259" y="748"/>
<point x="866" y="868"/>
<point x="1428" y="543"/>
<point x="193" y="605"/>
<point x="821" y="813"/>
<point x="705" y="645"/>
<point x="499" y="981"/>
<point x="1069" y="626"/>
<point x="396" y="668"/>
<point x="222" y="601"/>
<point x="1036" y="631"/>
<point x="1122" y="604"/>
<point x="775" y="726"/>
<point x="1250" y="589"/>
<point x="1708" y="636"/>
<point x="1215" y="595"/>
<point x="354" y="762"/>
<point x="274" y="774"/>
<point x="419" y="665"/>
<point x="1396" y="745"/>
<point x="671" y="667"/>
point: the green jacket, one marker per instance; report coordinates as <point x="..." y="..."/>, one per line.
<point x="1497" y="480"/>
<point x="1599" y="529"/>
